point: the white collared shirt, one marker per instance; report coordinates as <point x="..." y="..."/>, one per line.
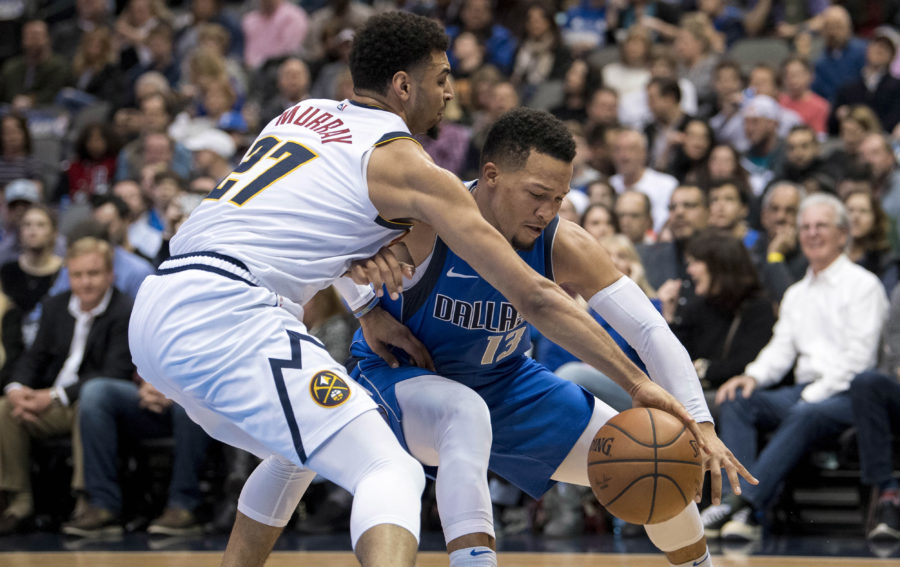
<point x="830" y="323"/>
<point x="68" y="375"/>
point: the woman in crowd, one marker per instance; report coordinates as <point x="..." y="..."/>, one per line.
<point x="16" y="159"/>
<point x="92" y="170"/>
<point x="856" y="122"/>
<point x="631" y="72"/>
<point x="541" y="56"/>
<point x="725" y="163"/>
<point x="729" y="320"/>
<point x="869" y="244"/>
<point x="599" y="221"/>
<point x="95" y="67"/>
<point x="689" y="160"/>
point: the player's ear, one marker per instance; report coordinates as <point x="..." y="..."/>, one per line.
<point x="402" y="85"/>
<point x="489" y="173"/>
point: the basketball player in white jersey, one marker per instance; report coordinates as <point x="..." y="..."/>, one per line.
<point x="325" y="184"/>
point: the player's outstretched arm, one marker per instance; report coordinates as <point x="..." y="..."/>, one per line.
<point x="581" y="264"/>
<point x="422" y="191"/>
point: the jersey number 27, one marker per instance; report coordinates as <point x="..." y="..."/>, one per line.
<point x="285" y="157"/>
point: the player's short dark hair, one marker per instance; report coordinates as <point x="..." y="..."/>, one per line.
<point x="521" y="130"/>
<point x="392" y="42"/>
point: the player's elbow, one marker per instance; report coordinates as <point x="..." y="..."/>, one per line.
<point x="540" y="298"/>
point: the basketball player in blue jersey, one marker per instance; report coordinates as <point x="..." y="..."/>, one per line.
<point x="327" y="183"/>
<point x="486" y="385"/>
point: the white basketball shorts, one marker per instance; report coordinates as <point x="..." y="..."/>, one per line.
<point x="238" y="359"/>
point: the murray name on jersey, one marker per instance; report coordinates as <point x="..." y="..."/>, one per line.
<point x="319" y="121"/>
<point x="494" y="316"/>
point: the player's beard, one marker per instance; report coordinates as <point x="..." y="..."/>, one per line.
<point x="434" y="131"/>
<point x="522" y="246"/>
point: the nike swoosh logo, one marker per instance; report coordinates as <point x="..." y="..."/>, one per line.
<point x="452" y="274"/>
<point x="476" y="553"/>
<point x="702" y="559"/>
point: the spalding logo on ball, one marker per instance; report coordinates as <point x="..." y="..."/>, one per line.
<point x="644" y="466"/>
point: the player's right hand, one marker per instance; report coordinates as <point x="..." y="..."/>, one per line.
<point x="383" y="331"/>
<point x="648" y="394"/>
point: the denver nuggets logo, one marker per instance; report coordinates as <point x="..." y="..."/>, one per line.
<point x="328" y="389"/>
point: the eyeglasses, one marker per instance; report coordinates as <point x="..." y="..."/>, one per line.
<point x="817" y="227"/>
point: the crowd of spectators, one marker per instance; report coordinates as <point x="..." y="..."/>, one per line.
<point x="702" y="129"/>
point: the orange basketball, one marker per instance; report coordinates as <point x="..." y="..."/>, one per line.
<point x="644" y="466"/>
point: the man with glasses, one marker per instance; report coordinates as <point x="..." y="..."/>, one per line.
<point x="828" y="329"/>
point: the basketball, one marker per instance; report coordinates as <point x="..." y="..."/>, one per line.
<point x="644" y="466"/>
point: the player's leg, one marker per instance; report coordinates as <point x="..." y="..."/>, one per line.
<point x="447" y="424"/>
<point x="681" y="538"/>
<point x="365" y="458"/>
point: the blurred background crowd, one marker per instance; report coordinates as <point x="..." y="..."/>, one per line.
<point x="701" y="127"/>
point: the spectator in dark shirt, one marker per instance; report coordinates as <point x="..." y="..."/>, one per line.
<point x="35" y="77"/>
<point x="28" y="278"/>
<point x="725" y="326"/>
<point x="875" y="87"/>
<point x="82" y="335"/>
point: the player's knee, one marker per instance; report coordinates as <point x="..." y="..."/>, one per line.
<point x="467" y="421"/>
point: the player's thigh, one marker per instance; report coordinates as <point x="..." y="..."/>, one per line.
<point x="433" y="409"/>
<point x="573" y="469"/>
<point x="244" y="369"/>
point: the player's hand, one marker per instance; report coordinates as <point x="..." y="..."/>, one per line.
<point x="648" y="394"/>
<point x="382" y="269"/>
<point x="383" y="331"/>
<point x="728" y="390"/>
<point x="720" y="457"/>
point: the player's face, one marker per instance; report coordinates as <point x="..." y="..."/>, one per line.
<point x="431" y="91"/>
<point x="525" y="201"/>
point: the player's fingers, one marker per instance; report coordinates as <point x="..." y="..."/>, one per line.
<point x="381" y="350"/>
<point x="742" y="470"/>
<point x="390" y="273"/>
<point x="408" y="270"/>
<point x="415" y="349"/>
<point x="715" y="482"/>
<point x="698" y="434"/>
<point x="373" y="273"/>
<point x="733" y="479"/>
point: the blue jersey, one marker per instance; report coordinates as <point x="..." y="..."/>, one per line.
<point x="476" y="337"/>
<point x="474" y="334"/>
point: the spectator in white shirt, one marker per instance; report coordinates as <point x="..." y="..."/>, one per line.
<point x="828" y="330"/>
<point x="630" y="158"/>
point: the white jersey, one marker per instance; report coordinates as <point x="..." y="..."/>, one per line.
<point x="296" y="210"/>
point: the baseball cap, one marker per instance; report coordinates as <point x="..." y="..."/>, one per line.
<point x="762" y="106"/>
<point x="889" y="35"/>
<point x="22" y="190"/>
<point x="214" y="140"/>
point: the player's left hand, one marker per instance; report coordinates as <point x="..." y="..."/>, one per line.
<point x="383" y="331"/>
<point x="717" y="458"/>
<point x="648" y="394"/>
<point x="385" y="268"/>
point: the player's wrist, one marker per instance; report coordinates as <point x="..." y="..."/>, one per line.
<point x="367" y="308"/>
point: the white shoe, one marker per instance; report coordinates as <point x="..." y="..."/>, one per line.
<point x="714" y="517"/>
<point x="743" y="526"/>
